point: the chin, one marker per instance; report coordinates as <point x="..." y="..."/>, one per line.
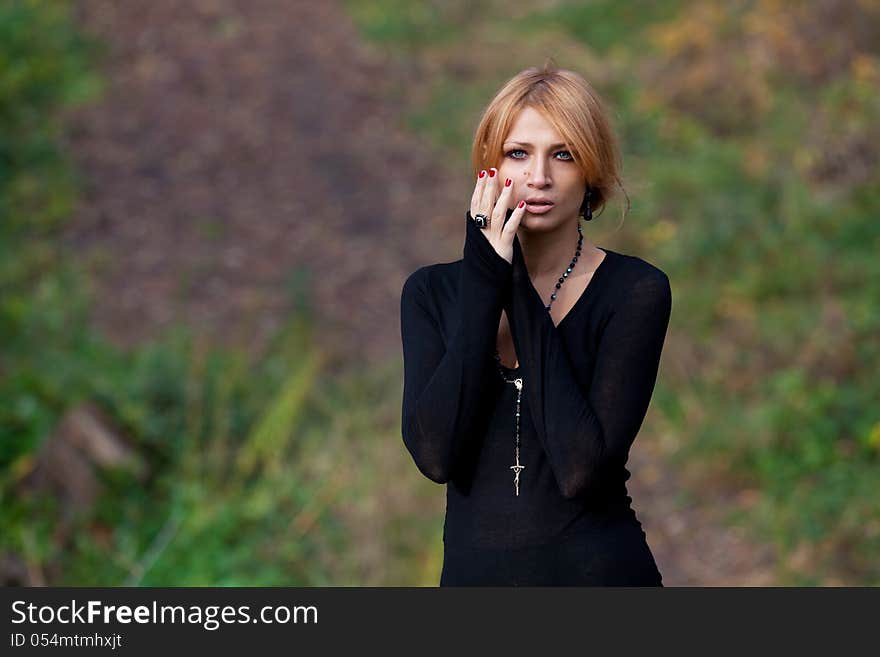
<point x="539" y="222"/>
<point x="536" y="223"/>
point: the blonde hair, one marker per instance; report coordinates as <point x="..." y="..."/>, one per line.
<point x="573" y="108"/>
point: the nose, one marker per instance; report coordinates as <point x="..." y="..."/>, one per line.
<point x="539" y="176"/>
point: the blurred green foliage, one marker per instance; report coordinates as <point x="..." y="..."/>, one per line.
<point x="252" y="476"/>
<point x="44" y="67"/>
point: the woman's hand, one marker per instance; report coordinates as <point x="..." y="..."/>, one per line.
<point x="486" y="200"/>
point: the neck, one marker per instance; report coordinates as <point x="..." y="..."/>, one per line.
<point x="549" y="253"/>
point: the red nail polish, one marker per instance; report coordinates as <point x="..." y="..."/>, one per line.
<point x="491" y="173"/>
<point x="507" y="182"/>
<point x="521" y="204"/>
<point x="482" y="173"/>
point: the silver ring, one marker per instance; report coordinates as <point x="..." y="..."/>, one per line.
<point x="481" y="220"/>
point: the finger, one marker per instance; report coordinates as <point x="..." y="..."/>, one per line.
<point x="490" y="192"/>
<point x="476" y="197"/>
<point x="513" y="223"/>
<point x="502" y="205"/>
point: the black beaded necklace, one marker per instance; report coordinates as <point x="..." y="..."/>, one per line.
<point x="517" y="380"/>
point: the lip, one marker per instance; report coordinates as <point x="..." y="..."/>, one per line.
<point x="538" y="209"/>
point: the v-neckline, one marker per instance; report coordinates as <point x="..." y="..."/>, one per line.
<point x="587" y="291"/>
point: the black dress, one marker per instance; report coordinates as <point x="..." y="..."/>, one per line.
<point x="586" y="388"/>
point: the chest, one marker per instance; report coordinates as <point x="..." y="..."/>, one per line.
<point x="566" y="297"/>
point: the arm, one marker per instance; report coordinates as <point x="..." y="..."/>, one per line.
<point x="585" y="437"/>
<point x="444" y="386"/>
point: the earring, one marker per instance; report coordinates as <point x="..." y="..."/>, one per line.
<point x="586" y="210"/>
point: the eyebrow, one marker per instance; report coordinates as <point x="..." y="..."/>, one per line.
<point x="525" y="143"/>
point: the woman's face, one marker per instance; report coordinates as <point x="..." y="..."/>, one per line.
<point x="536" y="160"/>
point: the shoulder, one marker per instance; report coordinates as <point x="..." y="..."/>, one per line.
<point x="638" y="280"/>
<point x="420" y="283"/>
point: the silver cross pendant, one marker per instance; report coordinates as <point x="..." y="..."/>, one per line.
<point x="518" y="382"/>
<point x="516" y="469"/>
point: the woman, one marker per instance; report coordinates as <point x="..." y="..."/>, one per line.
<point x="530" y="362"/>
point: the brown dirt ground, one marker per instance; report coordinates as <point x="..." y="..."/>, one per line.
<point x="246" y="153"/>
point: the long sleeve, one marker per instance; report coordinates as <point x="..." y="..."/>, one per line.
<point x="445" y="384"/>
<point x="585" y="436"/>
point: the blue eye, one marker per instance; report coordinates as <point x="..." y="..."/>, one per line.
<point x="519" y="150"/>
